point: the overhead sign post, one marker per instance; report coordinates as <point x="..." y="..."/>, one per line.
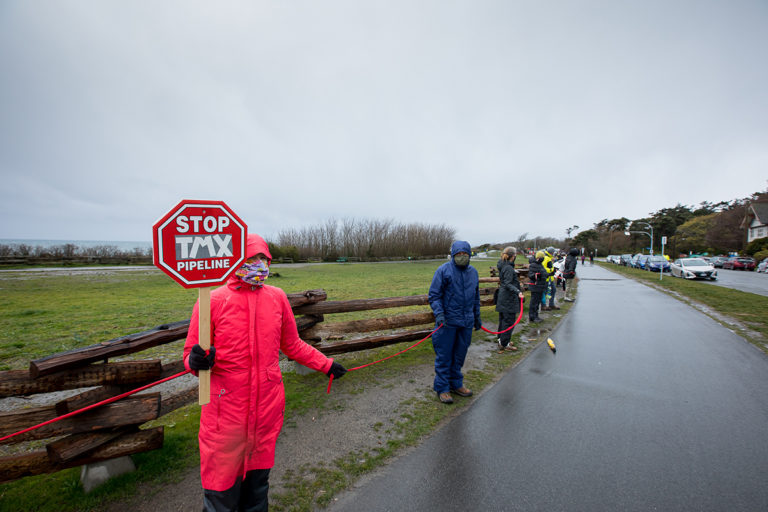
<point x="199" y="244"/>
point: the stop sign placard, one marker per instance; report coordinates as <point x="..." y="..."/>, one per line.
<point x="199" y="243"/>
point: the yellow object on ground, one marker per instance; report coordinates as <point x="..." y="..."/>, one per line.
<point x="551" y="345"/>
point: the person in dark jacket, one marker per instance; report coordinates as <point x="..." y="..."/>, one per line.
<point x="537" y="284"/>
<point x="454" y="297"/>
<point x="569" y="270"/>
<point x="508" y="301"/>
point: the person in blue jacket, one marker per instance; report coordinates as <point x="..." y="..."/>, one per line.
<point x="454" y="297"/>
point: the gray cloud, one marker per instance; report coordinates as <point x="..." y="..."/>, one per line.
<point x="495" y="117"/>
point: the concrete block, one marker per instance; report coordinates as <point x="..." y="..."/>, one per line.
<point x="300" y="369"/>
<point x="93" y="475"/>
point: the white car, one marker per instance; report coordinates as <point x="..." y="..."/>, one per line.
<point x="693" y="268"/>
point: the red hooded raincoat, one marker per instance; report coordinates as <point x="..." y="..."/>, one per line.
<point x="249" y="325"/>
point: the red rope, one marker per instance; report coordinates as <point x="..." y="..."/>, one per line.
<point x="519" y="317"/>
<point x="330" y="380"/>
<point x="511" y="326"/>
<point x="92" y="406"/>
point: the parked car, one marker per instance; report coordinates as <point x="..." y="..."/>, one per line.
<point x="693" y="268"/>
<point x="613" y="258"/>
<point x="739" y="263"/>
<point x="639" y="261"/>
<point x="657" y="264"/>
<point x="624" y="259"/>
<point x="718" y="261"/>
<point x="762" y="266"/>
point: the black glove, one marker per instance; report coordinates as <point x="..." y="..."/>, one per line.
<point x="198" y="360"/>
<point x="336" y="370"/>
<point x="478" y="324"/>
<point x="439" y="319"/>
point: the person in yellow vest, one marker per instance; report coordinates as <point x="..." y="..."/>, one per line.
<point x="549" y="293"/>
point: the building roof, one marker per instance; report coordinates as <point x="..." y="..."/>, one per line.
<point x="761" y="212"/>
<point x="756" y="210"/>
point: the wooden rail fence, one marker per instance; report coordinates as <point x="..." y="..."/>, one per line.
<point x="114" y="430"/>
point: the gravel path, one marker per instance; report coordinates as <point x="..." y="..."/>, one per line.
<point x="316" y="439"/>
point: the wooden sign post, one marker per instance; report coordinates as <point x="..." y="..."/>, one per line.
<point x="199" y="244"/>
<point x="204" y="340"/>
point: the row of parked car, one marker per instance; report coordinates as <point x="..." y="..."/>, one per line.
<point x="738" y="263"/>
<point x="689" y="268"/>
<point x="641" y="261"/>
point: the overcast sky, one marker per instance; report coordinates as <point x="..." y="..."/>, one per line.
<point x="493" y="117"/>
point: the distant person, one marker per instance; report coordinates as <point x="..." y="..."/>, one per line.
<point x="537" y="283"/>
<point x="251" y="324"/>
<point x="569" y="271"/>
<point x="548" y="298"/>
<point x="508" y="302"/>
<point x="583" y="257"/>
<point x="454" y="297"/>
<point x="591" y="258"/>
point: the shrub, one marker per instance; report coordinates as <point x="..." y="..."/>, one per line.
<point x="761" y="255"/>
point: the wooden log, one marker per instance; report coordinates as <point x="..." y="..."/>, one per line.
<point x="17" y="466"/>
<point x="489" y="279"/>
<point x="128" y="411"/>
<point x="177" y="400"/>
<point x="112" y="348"/>
<point x="172" y="369"/>
<point x="373" y="342"/>
<point x="344" y="306"/>
<point x="77" y="445"/>
<point x="89" y="397"/>
<point x="372" y="324"/>
<point x="307" y="322"/>
<point x="92" y="396"/>
<point x="306" y="297"/>
<point x="19" y="382"/>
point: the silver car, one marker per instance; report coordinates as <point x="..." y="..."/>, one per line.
<point x="693" y="268"/>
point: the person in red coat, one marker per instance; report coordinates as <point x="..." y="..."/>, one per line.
<point x="250" y="324"/>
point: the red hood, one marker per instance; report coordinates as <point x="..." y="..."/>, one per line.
<point x="255" y="245"/>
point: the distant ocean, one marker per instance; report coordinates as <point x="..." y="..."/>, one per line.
<point x="121" y="245"/>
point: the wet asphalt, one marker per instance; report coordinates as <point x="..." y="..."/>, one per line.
<point x="647" y="405"/>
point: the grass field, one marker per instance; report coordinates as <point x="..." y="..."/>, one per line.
<point x="47" y="313"/>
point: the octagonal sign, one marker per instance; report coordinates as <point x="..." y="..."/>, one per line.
<point x="199" y="243"/>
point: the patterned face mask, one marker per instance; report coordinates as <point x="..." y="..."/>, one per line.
<point x="461" y="259"/>
<point x="253" y="273"/>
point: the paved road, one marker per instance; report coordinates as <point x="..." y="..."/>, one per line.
<point x="753" y="282"/>
<point x="647" y="405"/>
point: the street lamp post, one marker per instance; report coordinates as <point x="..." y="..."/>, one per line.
<point x="643" y="232"/>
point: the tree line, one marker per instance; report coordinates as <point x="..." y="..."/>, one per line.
<point x="72" y="254"/>
<point x="366" y="239"/>
<point x="713" y="228"/>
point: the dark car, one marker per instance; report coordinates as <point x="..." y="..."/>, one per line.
<point x="718" y="261"/>
<point x="739" y="263"/>
<point x="639" y="261"/>
<point x="657" y="264"/>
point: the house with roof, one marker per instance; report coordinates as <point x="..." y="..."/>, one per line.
<point x="756" y="221"/>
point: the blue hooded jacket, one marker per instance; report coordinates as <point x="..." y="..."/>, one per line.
<point x="455" y="291"/>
